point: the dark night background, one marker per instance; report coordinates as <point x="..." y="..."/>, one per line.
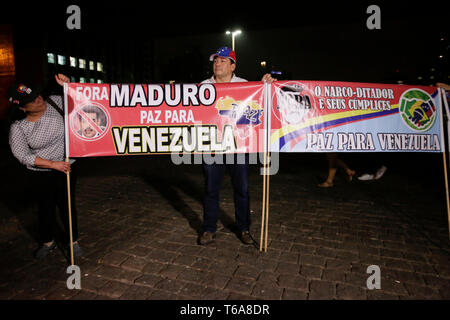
<point x="144" y="41"/>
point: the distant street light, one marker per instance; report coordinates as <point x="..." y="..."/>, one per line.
<point x="233" y="35"/>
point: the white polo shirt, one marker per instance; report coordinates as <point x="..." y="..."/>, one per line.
<point x="233" y="79"/>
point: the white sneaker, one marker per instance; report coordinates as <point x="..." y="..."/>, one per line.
<point x="380" y="172"/>
<point x="366" y="177"/>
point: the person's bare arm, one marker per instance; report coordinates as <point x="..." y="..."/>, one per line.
<point x="56" y="165"/>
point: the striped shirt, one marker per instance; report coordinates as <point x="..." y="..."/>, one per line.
<point x="43" y="138"/>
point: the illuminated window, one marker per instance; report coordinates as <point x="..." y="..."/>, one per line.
<point x="91" y="65"/>
<point x="92" y="80"/>
<point x="99" y="81"/>
<point x="82" y="80"/>
<point x="100" y="66"/>
<point x="61" y="60"/>
<point x="73" y="61"/>
<point x="82" y="63"/>
<point x="50" y="58"/>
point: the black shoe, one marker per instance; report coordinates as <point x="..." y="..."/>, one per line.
<point x="77" y="251"/>
<point x="207" y="237"/>
<point x="246" y="238"/>
<point x="44" y="250"/>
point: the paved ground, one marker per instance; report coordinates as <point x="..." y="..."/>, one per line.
<point x="139" y="220"/>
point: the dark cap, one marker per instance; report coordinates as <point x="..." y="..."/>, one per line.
<point x="20" y="94"/>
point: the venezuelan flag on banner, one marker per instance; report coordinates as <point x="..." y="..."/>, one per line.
<point x="321" y="116"/>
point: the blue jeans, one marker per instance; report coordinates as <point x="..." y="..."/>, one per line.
<point x="213" y="180"/>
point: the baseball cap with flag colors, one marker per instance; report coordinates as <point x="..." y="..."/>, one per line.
<point x="224" y="52"/>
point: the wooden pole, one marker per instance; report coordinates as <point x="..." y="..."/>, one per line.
<point x="443" y="102"/>
<point x="266" y="181"/>
<point x="446" y="188"/>
<point x="263" y="214"/>
<point x="66" y="143"/>
<point x="70" y="215"/>
<point x="267" y="202"/>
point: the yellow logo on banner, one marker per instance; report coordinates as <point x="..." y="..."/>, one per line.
<point x="243" y="112"/>
<point x="231" y="104"/>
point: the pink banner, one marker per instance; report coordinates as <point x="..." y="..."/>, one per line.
<point x="126" y="119"/>
<point x="305" y="116"/>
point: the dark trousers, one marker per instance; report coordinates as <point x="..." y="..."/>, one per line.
<point x="213" y="180"/>
<point x="50" y="189"/>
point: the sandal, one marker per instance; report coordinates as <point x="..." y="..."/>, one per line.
<point x="325" y="184"/>
<point x="350" y="175"/>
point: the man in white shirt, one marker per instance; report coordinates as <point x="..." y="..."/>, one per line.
<point x="224" y="65"/>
